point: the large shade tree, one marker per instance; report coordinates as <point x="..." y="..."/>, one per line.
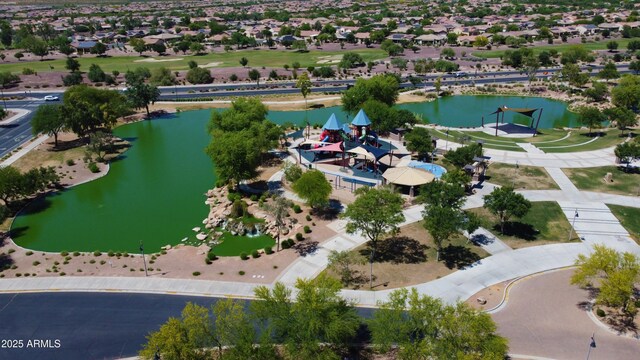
<point x="241" y="135"/>
<point x="374" y="213"/>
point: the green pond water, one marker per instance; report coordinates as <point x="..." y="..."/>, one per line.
<point x="155" y="192"/>
<point x="457" y="111"/>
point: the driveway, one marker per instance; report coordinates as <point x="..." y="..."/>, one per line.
<point x="542" y="318"/>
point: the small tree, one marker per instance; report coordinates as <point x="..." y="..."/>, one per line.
<point x="628" y="152"/>
<point x="138" y="45"/>
<point x="254" y="75"/>
<point x="591" y="117"/>
<point x="279" y="209"/>
<point x="419" y="140"/>
<point x="609" y="72"/>
<point x="612" y="46"/>
<point x="342" y="262"/>
<point x="244" y="61"/>
<point x="374" y="213"/>
<point x="72" y="64"/>
<point x="100" y="144"/>
<point x="622" y="117"/>
<point x="48" y="119"/>
<point x="96" y="74"/>
<point x="196" y="48"/>
<point x="99" y="49"/>
<point x="314" y="188"/>
<point x="616" y="274"/>
<point x="505" y="203"/>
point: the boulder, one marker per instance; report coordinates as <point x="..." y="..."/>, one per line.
<point x="196" y="229"/>
<point x="201" y="236"/>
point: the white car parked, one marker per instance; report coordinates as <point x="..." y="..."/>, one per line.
<point x="51" y="98"/>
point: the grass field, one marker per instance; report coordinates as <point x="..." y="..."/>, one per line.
<point x="582" y="141"/>
<point x="629" y="218"/>
<point x="549" y="140"/>
<point x="544" y="224"/>
<point x="592" y="179"/>
<point x="235" y="245"/>
<point x="257" y="58"/>
<point x="521" y="178"/>
<point x="599" y="45"/>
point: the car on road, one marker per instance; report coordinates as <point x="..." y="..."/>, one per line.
<point x="460" y="74"/>
<point x="51" y="98"/>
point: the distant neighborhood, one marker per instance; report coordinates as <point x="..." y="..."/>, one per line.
<point x="164" y="28"/>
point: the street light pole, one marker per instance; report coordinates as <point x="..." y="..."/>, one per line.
<point x="446" y="146"/>
<point x="573" y="224"/>
<point x="592" y="345"/>
<point x="143" y="259"/>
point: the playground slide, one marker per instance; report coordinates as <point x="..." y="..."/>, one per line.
<point x="326" y="139"/>
<point x="345" y="137"/>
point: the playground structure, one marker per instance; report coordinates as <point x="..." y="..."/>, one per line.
<point x="361" y="158"/>
<point x="512" y="128"/>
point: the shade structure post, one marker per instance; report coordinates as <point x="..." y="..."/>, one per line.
<point x="497" y="120"/>
<point x="538" y="122"/>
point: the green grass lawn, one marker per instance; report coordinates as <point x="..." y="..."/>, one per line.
<point x="629" y="218"/>
<point x="544" y="224"/>
<point x="235" y="245"/>
<point x="581" y="141"/>
<point x="522" y="177"/>
<point x="592" y="179"/>
<point x="257" y="58"/>
<point x="455" y="135"/>
<point x="599" y="45"/>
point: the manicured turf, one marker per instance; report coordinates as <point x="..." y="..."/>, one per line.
<point x="600" y="45"/>
<point x="235" y="245"/>
<point x="257" y="58"/>
<point x="545" y="223"/>
<point x="522" y="177"/>
<point x="592" y="179"/>
<point x="455" y="135"/>
<point x="582" y="141"/>
<point x="629" y="218"/>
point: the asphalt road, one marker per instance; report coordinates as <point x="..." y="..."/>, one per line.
<point x="19" y="132"/>
<point x="86" y="325"/>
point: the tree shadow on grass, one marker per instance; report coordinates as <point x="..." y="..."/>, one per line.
<point x="398" y="250"/>
<point x="459" y="257"/>
<point x="17" y="232"/>
<point x="519" y="230"/>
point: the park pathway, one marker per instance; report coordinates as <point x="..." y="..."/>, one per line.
<point x="489" y="242"/>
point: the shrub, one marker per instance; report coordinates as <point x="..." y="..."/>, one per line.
<point x="63" y="274"/>
<point x="111" y="253"/>
<point x="308" y="217"/>
<point x="196" y="273"/>
<point x="299" y="236"/>
<point x="211" y="256"/>
<point x="307" y="229"/>
<point x="285" y="244"/>
<point x="600" y="312"/>
<point x="93" y="167"/>
<point x="254" y="197"/>
<point x="255" y="254"/>
<point x="64" y="253"/>
<point x="75" y="78"/>
<point x="29" y="253"/>
<point x="97" y="253"/>
<point x="76" y="253"/>
<point x="102" y="262"/>
<point x="92" y="261"/>
<point x="268" y="250"/>
<point x="28" y="71"/>
<point x="297" y="209"/>
<point x="18" y="274"/>
<point x="11" y="251"/>
<point x="244" y="256"/>
<point x="241" y="272"/>
<point x="36" y="263"/>
<point x="207" y="261"/>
